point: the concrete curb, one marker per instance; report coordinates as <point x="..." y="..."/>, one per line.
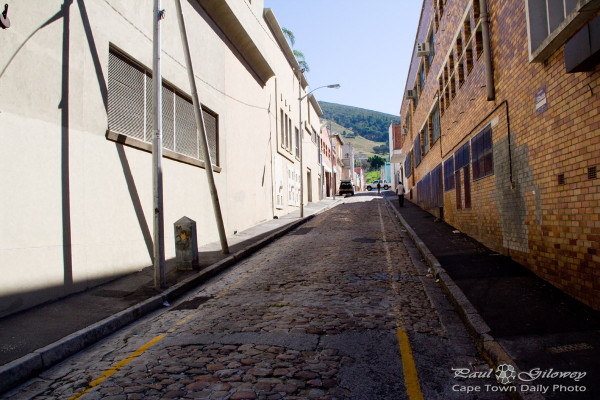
<point x="479" y="330"/>
<point x="26" y="367"/>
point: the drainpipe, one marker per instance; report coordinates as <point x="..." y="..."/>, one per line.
<point x="201" y="127"/>
<point x="487" y="50"/>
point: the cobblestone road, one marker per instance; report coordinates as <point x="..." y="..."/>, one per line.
<point x="315" y="315"/>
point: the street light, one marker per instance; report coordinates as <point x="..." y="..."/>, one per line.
<point x="301" y="133"/>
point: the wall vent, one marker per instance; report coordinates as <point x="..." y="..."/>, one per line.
<point x="592" y="173"/>
<point x="561" y="179"/>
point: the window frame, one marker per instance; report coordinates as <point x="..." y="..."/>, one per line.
<point x="543" y="41"/>
<point x="482" y="157"/>
<point x="144" y="141"/>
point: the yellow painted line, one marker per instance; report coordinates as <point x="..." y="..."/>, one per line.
<point x="411" y="378"/>
<point x="112" y="370"/>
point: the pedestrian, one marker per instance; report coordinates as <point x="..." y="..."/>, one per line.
<point x="400" y="193"/>
<point x="378" y="187"/>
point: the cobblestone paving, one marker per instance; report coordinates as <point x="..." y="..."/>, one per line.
<point x="312" y="316"/>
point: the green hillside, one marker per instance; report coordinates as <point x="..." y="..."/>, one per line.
<point x="369" y="124"/>
<point x="360" y="144"/>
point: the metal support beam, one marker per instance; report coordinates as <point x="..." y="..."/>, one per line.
<point x="200" y="124"/>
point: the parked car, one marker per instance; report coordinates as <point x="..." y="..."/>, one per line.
<point x="346" y="188"/>
<point x="373" y="185"/>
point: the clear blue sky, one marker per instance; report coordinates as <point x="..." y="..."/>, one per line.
<point x="365" y="46"/>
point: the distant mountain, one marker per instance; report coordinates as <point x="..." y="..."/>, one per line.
<point x="372" y="125"/>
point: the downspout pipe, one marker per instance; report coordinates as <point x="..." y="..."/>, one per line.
<point x="487" y="50"/>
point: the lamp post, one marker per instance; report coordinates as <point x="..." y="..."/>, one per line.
<point x="301" y="133"/>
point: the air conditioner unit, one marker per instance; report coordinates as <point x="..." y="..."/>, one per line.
<point x="423" y="49"/>
<point x="405" y="131"/>
<point x="411" y="94"/>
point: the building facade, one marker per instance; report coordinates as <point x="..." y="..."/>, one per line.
<point x="500" y="131"/>
<point x="76" y="79"/>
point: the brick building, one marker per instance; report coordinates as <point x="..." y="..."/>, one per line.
<point x="503" y="141"/>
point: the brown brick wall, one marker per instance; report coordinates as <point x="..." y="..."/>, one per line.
<point x="521" y="210"/>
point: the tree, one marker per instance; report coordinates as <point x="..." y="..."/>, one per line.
<point x="297" y="53"/>
<point x="376" y="162"/>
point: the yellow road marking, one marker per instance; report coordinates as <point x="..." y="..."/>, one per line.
<point x="411" y="378"/>
<point x="112" y="370"/>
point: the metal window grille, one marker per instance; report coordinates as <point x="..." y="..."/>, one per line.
<point x="130" y="111"/>
<point x="592" y="174"/>
<point x="462" y="156"/>
<point x="408" y="164"/>
<point x="467" y="186"/>
<point x="425" y="138"/>
<point x="126" y="97"/>
<point x="417" y="149"/>
<point x="482" y="150"/>
<point x="449" y="174"/>
<point x="435" y="125"/>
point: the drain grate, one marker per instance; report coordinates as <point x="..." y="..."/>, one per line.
<point x="567" y="348"/>
<point x="191" y="304"/>
<point x="301" y="231"/>
<point x="364" y="240"/>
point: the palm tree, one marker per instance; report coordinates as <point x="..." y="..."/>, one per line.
<point x="297" y="53"/>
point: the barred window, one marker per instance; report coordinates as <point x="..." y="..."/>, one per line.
<point x="449" y="174"/>
<point x="435" y="124"/>
<point x="417" y="149"/>
<point x="130" y="111"/>
<point x="481" y="147"/>
<point x="462" y="156"/>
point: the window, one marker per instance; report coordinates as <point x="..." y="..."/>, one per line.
<point x="425" y="135"/>
<point x="408" y="164"/>
<point x="441" y="96"/>
<point x="417" y="150"/>
<point x="282" y="118"/>
<point x="479" y="42"/>
<point x="437" y="192"/>
<point x="476" y="11"/>
<point x="467" y="27"/>
<point x="434" y="124"/>
<point x="461" y="68"/>
<point x="552" y="22"/>
<point x="289" y="134"/>
<point x="421" y="78"/>
<point x="467" y="186"/>
<point x="458" y="192"/>
<point x="461" y="161"/>
<point x="462" y="156"/>
<point x="297" y="137"/>
<point x="416" y="98"/>
<point x="481" y="147"/>
<point x="469" y="57"/>
<point x="449" y="174"/>
<point x="431" y="42"/>
<point x="130" y="111"/>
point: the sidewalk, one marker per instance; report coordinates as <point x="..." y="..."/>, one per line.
<point x="34" y="340"/>
<point x="514" y="316"/>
